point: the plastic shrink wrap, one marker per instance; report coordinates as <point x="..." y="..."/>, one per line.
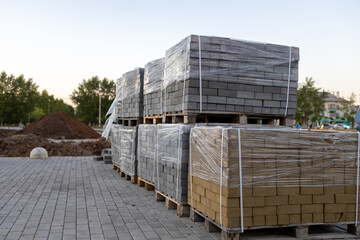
<point x="163" y="156"/>
<point x="118" y="100"/>
<point x="146" y="153"/>
<point x="115" y="140"/>
<point x="227" y="75"/>
<point x="129" y="89"/>
<point x="153" y="79"/>
<point x="128" y="157"/>
<point x="272" y="177"/>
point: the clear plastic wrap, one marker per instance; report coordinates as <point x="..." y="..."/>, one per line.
<point x="146" y="153"/>
<point x="132" y="83"/>
<point x="118" y="86"/>
<point x="177" y="62"/>
<point x="261" y="177"/>
<point x="124" y="148"/>
<point x="230" y="57"/>
<point x="221" y="74"/>
<point x="129" y="94"/>
<point x="115" y="134"/>
<point x="118" y="100"/>
<point x="163" y="156"/>
<point x="274" y="157"/>
<point x="172" y="160"/>
<point x="153" y="79"/>
<point x="153" y="75"/>
<point x="128" y="159"/>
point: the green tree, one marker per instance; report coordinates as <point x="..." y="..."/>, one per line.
<point x="86" y="99"/>
<point x="17" y="98"/>
<point x="36" y="114"/>
<point x="349" y="109"/>
<point x="47" y="102"/>
<point x="310" y="102"/>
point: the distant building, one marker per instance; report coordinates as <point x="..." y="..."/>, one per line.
<point x="333" y="111"/>
<point x="332" y="107"/>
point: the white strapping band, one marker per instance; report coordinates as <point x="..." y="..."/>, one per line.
<point x="200" y="76"/>
<point x="288" y="86"/>
<point x="357" y="181"/>
<point x="155" y="153"/>
<point x="178" y="164"/>
<point x="133" y="151"/>
<point x="190" y="170"/>
<point x="157" y="158"/>
<point x="241" y="187"/>
<point x="163" y="103"/>
<point x="221" y="171"/>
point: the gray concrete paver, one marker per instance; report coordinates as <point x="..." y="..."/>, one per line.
<point x="78" y="198"/>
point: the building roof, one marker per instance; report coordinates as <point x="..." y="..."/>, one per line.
<point x="333" y="98"/>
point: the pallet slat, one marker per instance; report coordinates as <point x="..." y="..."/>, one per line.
<point x="149" y="186"/>
<point x="182" y="208"/>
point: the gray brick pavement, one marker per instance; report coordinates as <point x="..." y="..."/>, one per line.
<point x="78" y="198"/>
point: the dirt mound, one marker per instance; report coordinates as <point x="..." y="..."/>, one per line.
<point x="60" y="125"/>
<point x="92" y="148"/>
<point x="6" y="132"/>
<point x="21" y="145"/>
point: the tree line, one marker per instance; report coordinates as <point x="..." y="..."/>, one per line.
<point x="86" y="99"/>
<point x="20" y="101"/>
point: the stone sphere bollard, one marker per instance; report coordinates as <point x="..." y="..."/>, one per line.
<point x="39" y="152"/>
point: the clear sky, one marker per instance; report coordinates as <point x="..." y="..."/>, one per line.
<point x="60" y="43"/>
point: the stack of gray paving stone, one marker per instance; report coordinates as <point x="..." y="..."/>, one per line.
<point x="236" y="76"/>
<point x="153" y="78"/>
<point x="107" y="155"/>
<point x="130" y="87"/>
<point x="115" y="138"/>
<point x="172" y="160"/>
<point x="146" y="154"/>
<point x="128" y="158"/>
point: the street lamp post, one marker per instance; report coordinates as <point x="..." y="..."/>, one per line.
<point x="49" y="106"/>
<point x="99" y="104"/>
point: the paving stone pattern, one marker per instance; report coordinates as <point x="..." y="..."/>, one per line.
<point x="78" y="198"/>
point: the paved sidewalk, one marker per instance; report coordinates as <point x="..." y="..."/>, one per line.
<point x="78" y="198"/>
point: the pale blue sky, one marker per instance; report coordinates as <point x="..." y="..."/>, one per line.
<point x="59" y="43"/>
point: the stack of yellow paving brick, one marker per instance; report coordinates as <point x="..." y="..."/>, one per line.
<point x="289" y="177"/>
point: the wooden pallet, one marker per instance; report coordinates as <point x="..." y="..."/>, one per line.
<point x="130" y="121"/>
<point x="153" y="119"/>
<point x="149" y="186"/>
<point x="317" y="231"/>
<point x="189" y="117"/>
<point x="182" y="208"/>
<point x="132" y="178"/>
<point x="116" y="167"/>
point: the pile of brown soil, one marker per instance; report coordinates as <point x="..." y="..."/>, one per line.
<point x="56" y="125"/>
<point x="7" y="132"/>
<point x="21" y="145"/>
<point x="59" y="125"/>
